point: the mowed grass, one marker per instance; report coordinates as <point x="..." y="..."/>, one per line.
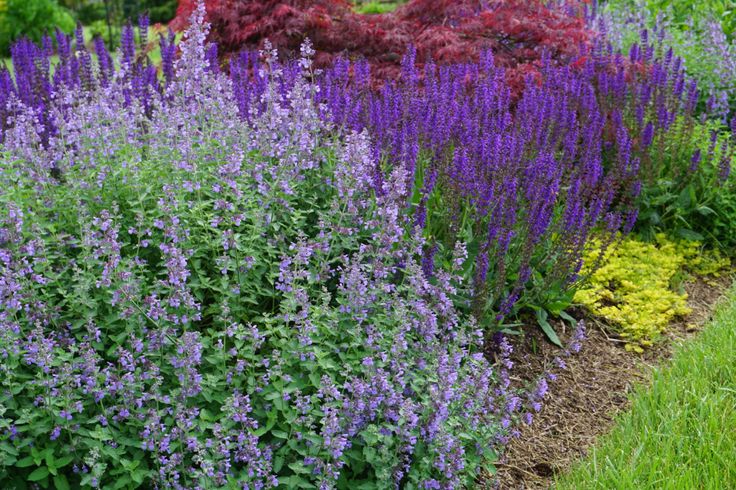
<point x="375" y="7"/>
<point x="680" y="433"/>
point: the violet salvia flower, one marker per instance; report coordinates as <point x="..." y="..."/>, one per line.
<point x="647" y="135"/>
<point x="104" y="60"/>
<point x="143" y="25"/>
<point x="127" y="44"/>
<point x="695" y="161"/>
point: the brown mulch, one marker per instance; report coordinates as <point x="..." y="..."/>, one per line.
<point x="586" y="396"/>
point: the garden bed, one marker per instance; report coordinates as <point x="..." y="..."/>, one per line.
<point x="261" y="261"/>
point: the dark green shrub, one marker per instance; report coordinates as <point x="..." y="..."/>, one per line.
<point x="32" y="18"/>
<point x="159" y="10"/>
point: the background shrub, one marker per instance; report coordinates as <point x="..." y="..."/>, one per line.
<point x="682" y="14"/>
<point x="32" y="19"/>
<point x="699" y="32"/>
<point x="442" y="31"/>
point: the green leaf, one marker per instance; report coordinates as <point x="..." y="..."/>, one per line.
<point x="139" y="475"/>
<point x="369" y="453"/>
<point x="547" y="328"/>
<point x="122" y="481"/>
<point x="25" y="462"/>
<point x="50" y="462"/>
<point x="130" y="466"/>
<point x="296" y="481"/>
<point x="272" y="396"/>
<point x="686" y="198"/>
<point x="691" y="235"/>
<point x="278" y="463"/>
<point x="557" y="307"/>
<point x="101" y="434"/>
<point x="38" y="474"/>
<point x="280" y="434"/>
<point x="269" y="425"/>
<point x="8" y="449"/>
<point x="565" y="316"/>
<point x="61" y="483"/>
<point x="299" y="468"/>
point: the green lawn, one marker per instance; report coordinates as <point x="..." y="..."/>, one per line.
<point x="375" y="7"/>
<point x="680" y="433"/>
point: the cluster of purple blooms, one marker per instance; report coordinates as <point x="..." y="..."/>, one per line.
<point x="525" y="182"/>
<point x="198" y="291"/>
<point x="273" y="275"/>
<point x="710" y="56"/>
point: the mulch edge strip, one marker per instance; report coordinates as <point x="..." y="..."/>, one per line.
<point x="585" y="398"/>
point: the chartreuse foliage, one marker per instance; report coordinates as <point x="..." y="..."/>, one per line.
<point x="679" y="433"/>
<point x="634" y="289"/>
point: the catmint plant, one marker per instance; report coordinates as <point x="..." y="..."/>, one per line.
<point x="202" y="288"/>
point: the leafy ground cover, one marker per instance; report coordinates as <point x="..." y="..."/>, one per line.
<point x="676" y="433"/>
<point x="636" y="288"/>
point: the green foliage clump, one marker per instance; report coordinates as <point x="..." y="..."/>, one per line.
<point x="160" y="10"/>
<point x="681" y="12"/>
<point x="691" y="200"/>
<point x="31" y="18"/>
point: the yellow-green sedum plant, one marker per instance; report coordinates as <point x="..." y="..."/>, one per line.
<point x="634" y="291"/>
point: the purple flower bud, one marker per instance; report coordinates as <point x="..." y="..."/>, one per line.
<point x="55" y="433"/>
<point x="647" y="135"/>
<point x="694" y="161"/>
